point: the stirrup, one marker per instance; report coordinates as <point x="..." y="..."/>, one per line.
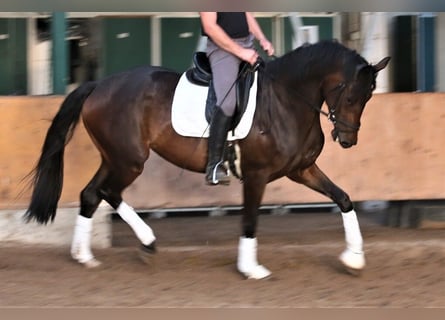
<point x="218" y="175"/>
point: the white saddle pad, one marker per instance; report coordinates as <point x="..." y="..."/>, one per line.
<point x="188" y="111"/>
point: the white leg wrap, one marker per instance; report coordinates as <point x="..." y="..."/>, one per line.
<point x="81" y="245"/>
<point x="140" y="228"/>
<point x="247" y="259"/>
<point x="353" y="256"/>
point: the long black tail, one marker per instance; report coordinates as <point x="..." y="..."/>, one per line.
<point x="47" y="176"/>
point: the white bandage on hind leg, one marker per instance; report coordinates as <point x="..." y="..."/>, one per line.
<point x="247" y="259"/>
<point x="81" y="244"/>
<point x="353" y="237"/>
<point x="140" y="228"/>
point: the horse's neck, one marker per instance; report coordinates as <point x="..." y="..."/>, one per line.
<point x="296" y="95"/>
<point x="288" y="106"/>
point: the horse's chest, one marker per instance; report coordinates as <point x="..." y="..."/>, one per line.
<point x="308" y="152"/>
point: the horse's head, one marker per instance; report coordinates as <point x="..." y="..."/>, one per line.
<point x="346" y="98"/>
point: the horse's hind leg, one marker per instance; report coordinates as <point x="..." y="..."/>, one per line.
<point x="353" y="256"/>
<point x="89" y="201"/>
<point x="107" y="186"/>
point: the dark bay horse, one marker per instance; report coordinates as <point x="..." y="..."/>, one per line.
<point x="129" y="113"/>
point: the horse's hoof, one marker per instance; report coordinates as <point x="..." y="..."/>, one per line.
<point x="353" y="272"/>
<point x="258" y="272"/>
<point x="147" y="252"/>
<point x="91" y="264"/>
<point x="354" y="262"/>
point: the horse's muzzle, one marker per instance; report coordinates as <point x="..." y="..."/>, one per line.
<point x="345" y="140"/>
<point x="346" y="144"/>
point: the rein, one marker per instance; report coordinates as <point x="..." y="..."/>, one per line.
<point x="330" y="115"/>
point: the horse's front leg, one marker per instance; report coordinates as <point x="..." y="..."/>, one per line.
<point x="247" y="263"/>
<point x="353" y="256"/>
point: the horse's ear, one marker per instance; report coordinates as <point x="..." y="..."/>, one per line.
<point x="381" y="65"/>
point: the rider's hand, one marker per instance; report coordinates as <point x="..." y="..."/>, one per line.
<point x="267" y="46"/>
<point x="249" y="55"/>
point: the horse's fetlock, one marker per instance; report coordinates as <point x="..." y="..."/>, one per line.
<point x="345" y="204"/>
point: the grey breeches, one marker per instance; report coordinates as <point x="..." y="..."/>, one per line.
<point x="225" y="67"/>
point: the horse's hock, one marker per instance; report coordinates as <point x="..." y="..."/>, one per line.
<point x="399" y="156"/>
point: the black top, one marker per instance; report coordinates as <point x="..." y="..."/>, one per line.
<point x="233" y="23"/>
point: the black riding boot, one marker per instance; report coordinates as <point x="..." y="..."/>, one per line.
<point x="216" y="173"/>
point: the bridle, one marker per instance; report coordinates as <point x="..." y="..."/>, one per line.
<point x="331" y="114"/>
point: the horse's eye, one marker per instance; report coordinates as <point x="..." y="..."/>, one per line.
<point x="349" y="100"/>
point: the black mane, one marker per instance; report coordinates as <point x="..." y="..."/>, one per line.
<point x="312" y="60"/>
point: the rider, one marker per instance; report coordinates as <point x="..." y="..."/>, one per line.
<point x="230" y="41"/>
